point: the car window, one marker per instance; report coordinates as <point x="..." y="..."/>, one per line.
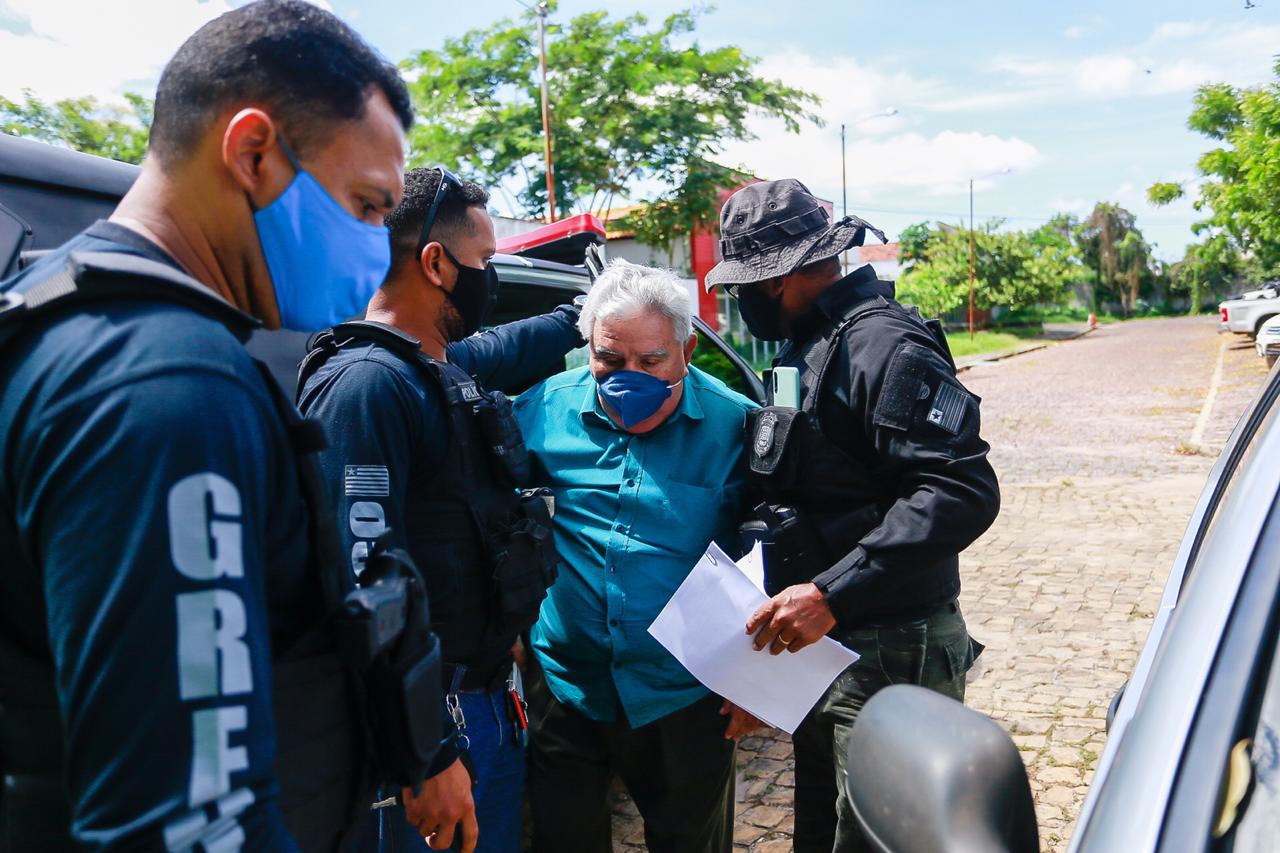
<point x="1259" y="828"/>
<point x="12" y="233"/>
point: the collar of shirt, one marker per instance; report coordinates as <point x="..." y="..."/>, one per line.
<point x="853" y="288"/>
<point x="592" y="410"/>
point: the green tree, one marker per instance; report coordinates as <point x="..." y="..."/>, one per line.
<point x="1012" y="269"/>
<point x="631" y="106"/>
<point x="1208" y="268"/>
<point x="1242" y="172"/>
<point x="1116" y="258"/>
<point x="82" y="124"/>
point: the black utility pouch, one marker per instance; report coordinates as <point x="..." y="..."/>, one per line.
<point x="770" y="454"/>
<point x="502" y="434"/>
<point x="385" y="635"/>
<point x="524" y="561"/>
<point x="792" y="548"/>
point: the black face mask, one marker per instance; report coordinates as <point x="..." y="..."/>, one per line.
<point x="762" y="315"/>
<point x="474" y="293"/>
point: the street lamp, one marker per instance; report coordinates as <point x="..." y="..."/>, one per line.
<point x="1003" y="171"/>
<point x="844" y="181"/>
<point x="542" y="11"/>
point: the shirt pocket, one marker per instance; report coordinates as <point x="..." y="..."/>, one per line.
<point x="680" y="515"/>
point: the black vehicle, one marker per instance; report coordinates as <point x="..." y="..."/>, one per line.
<point x="49" y="194"/>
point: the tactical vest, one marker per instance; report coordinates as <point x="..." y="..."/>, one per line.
<point x="322" y="761"/>
<point x="821" y="496"/>
<point x="486" y="547"/>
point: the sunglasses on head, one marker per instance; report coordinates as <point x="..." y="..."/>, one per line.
<point x="447" y="179"/>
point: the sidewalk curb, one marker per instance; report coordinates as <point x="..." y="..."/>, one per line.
<point x="974" y="360"/>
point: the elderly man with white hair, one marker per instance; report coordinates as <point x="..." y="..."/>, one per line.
<point x="644" y="453"/>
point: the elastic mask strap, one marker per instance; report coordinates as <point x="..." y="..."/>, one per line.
<point x="288" y="152"/>
<point x="293" y="161"/>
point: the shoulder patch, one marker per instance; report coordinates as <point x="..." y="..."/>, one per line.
<point x="905" y="384"/>
<point x="947" y="410"/>
<point x="367" y="481"/>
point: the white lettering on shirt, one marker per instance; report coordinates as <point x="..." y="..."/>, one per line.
<point x="202" y="546"/>
<point x="213" y="757"/>
<point x="211" y="628"/>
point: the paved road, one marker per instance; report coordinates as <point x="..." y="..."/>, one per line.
<point x="1092" y="440"/>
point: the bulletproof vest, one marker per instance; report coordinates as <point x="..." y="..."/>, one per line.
<point x="829" y="492"/>
<point x="322" y="763"/>
<point x="487" y="551"/>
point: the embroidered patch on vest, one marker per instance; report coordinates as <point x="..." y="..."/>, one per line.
<point x="367" y="481"/>
<point x="469" y="392"/>
<point x="947" y="410"/>
<point x="765" y="433"/>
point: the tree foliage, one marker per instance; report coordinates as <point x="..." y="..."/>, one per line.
<point x="1242" y="187"/>
<point x="1012" y="269"/>
<point x="1112" y="246"/>
<point x="1209" y="268"/>
<point x="632" y="105"/>
<point x="82" y="124"/>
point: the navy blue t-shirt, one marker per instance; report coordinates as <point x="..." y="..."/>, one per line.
<point x="151" y="511"/>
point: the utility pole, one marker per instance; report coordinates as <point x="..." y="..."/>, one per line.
<point x="971" y="259"/>
<point x="1003" y="171"/>
<point x="546" y="113"/>
<point x="844" y="194"/>
<point x="844" y="180"/>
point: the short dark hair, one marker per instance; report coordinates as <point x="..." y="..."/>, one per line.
<point x="297" y="61"/>
<point x="405" y="221"/>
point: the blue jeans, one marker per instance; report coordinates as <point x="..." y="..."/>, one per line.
<point x="499" y="791"/>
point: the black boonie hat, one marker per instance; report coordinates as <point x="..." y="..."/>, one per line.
<point x="772" y="228"/>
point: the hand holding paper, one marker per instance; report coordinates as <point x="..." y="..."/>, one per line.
<point x="703" y="627"/>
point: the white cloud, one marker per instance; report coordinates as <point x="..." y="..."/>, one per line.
<point x="69" y="48"/>
<point x="882" y="153"/>
<point x="1177" y="57"/>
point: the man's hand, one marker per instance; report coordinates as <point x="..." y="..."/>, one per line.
<point x="798" y="616"/>
<point x="520" y="655"/>
<point x="443" y="802"/>
<point x="741" y="723"/>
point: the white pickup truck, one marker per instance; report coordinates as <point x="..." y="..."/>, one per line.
<point x="1245" y="314"/>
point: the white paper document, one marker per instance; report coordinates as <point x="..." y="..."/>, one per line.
<point x="704" y="627"/>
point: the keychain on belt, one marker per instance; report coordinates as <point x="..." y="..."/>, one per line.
<point x="519" y="708"/>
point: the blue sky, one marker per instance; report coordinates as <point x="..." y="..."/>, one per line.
<point x="1082" y="102"/>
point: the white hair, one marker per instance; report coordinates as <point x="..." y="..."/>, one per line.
<point x="625" y="290"/>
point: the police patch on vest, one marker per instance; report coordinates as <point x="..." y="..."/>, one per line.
<point x="765" y="433"/>
<point x="469" y="392"/>
<point x="947" y="409"/>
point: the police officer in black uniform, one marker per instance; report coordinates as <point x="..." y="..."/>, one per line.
<point x="872" y="481"/>
<point x="171" y="662"/>
<point x="423" y="443"/>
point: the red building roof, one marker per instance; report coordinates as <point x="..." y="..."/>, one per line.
<point x="886" y="252"/>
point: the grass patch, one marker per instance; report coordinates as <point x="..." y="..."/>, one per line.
<point x="989" y="341"/>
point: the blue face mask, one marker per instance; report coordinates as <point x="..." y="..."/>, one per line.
<point x="636" y="396"/>
<point x="325" y="264"/>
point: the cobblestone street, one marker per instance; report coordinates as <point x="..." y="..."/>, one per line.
<point x="1102" y="448"/>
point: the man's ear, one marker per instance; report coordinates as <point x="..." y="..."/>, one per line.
<point x="432" y="263"/>
<point x="247" y="142"/>
<point x="774" y="286"/>
<point x="689" y="347"/>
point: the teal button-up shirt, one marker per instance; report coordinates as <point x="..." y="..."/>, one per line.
<point x="633" y="515"/>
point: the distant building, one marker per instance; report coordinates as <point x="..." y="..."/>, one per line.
<point x="885" y="259"/>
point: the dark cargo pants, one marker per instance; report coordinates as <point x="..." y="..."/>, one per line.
<point x="935" y="652"/>
<point x="679" y="771"/>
